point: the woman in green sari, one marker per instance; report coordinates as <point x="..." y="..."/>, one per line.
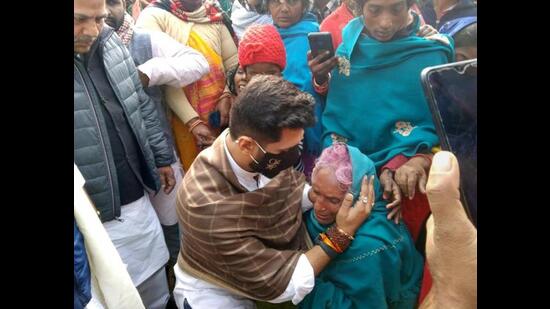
<point x="376" y="101"/>
<point x="381" y="268"/>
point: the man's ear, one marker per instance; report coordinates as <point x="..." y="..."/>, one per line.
<point x="246" y="144"/>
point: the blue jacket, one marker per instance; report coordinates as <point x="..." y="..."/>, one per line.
<point x="82" y="285"/>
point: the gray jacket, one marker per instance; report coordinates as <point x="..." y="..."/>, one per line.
<point x="92" y="150"/>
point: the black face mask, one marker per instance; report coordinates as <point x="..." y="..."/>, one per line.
<point x="272" y="164"/>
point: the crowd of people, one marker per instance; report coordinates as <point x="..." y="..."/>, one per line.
<point x="220" y="164"/>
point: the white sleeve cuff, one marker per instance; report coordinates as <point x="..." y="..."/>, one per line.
<point x="301" y="283"/>
<point x="306" y="203"/>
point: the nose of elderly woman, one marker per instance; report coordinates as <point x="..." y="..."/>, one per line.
<point x="451" y="244"/>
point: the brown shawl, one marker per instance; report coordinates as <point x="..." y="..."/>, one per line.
<point x="246" y="242"/>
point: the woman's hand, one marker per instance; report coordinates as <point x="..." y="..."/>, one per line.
<point x="430" y="33"/>
<point x="224" y="107"/>
<point x="411" y="175"/>
<point x="426" y="31"/>
<point x="319" y="67"/>
<point x="392" y="194"/>
<point x="350" y="218"/>
<point x="202" y="134"/>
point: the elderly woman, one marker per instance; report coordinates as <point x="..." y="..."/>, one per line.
<point x="378" y="78"/>
<point x="294" y="22"/>
<point x="204" y="27"/>
<point x="381" y="268"/>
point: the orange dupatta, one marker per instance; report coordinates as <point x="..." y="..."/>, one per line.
<point x="203" y="96"/>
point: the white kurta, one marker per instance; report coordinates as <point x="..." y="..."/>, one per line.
<point x="138" y="237"/>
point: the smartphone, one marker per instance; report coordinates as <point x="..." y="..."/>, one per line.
<point x="214" y="119"/>
<point x="320" y="42"/>
<point x="451" y="92"/>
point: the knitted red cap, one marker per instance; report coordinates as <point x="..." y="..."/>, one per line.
<point x="262" y="43"/>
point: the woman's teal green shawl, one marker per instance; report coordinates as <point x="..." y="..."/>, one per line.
<point x="298" y="73"/>
<point x="380" y="107"/>
<point x="380" y="269"/>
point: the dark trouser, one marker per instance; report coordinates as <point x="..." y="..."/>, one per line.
<point x="154" y="291"/>
<point x="172" y="238"/>
<point x="186" y="304"/>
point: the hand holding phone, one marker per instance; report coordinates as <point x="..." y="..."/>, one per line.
<point x="451" y="92"/>
<point x="321" y="58"/>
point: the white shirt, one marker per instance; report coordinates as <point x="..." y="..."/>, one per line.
<point x="173" y="64"/>
<point x="201" y="294"/>
<point x="138" y="239"/>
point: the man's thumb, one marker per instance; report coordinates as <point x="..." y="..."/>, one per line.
<point x="443" y="186"/>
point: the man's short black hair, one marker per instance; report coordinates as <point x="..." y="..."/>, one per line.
<point x="267" y="105"/>
<point x="466" y="37"/>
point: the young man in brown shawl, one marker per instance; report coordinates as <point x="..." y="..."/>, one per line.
<point x="241" y="203"/>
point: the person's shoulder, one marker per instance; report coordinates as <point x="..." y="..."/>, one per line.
<point x="154" y="14"/>
<point x="106" y="34"/>
<point x="340" y="15"/>
<point x="155" y="11"/>
<point x="309" y="21"/>
<point x="330" y="22"/>
<point x="111" y="44"/>
<point x="350" y="34"/>
<point x="208" y="162"/>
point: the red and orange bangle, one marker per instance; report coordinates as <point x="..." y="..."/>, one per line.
<point x="325" y="239"/>
<point x="339" y="238"/>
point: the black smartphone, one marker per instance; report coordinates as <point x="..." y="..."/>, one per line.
<point x="451" y="91"/>
<point x="320" y="42"/>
